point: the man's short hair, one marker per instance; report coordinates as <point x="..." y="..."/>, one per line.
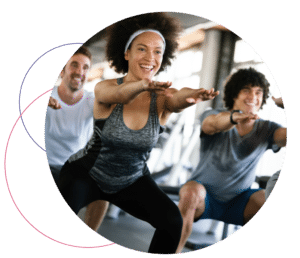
<point x="241" y="79"/>
<point x="84" y="51"/>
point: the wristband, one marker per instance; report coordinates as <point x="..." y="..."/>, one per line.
<point x="231" y="120"/>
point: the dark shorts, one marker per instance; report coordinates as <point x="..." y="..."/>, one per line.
<point x="231" y="212"/>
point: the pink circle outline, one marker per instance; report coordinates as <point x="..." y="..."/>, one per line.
<point x="10" y="191"/>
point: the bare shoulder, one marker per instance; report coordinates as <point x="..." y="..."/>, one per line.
<point x="102" y="109"/>
<point x="106" y="83"/>
<point x="104" y="87"/>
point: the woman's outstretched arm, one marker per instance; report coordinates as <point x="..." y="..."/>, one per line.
<point x="187" y="97"/>
<point x="109" y="92"/>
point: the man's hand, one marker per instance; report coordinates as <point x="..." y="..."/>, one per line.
<point x="53" y="103"/>
<point x="278" y="102"/>
<point x="243" y="118"/>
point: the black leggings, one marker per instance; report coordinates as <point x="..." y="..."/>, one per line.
<point x="143" y="200"/>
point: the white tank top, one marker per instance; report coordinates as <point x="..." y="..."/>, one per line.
<point x="67" y="130"/>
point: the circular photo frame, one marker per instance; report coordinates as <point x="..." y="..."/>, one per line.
<point x="188" y="59"/>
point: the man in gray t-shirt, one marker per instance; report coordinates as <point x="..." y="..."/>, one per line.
<point x="232" y="142"/>
<point x="228" y="160"/>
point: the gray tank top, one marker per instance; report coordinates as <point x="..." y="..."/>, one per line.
<point x="123" y="153"/>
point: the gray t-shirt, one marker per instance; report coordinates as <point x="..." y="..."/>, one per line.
<point x="228" y="161"/>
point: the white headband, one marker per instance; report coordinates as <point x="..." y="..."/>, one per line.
<point x="134" y="35"/>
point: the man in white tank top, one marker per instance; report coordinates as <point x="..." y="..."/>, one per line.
<point x="69" y="123"/>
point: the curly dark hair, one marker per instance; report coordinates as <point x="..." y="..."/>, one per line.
<point x="119" y="33"/>
<point x="241" y="79"/>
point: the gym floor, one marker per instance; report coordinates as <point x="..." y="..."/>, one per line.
<point x="135" y="234"/>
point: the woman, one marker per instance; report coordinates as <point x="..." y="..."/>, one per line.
<point x="128" y="115"/>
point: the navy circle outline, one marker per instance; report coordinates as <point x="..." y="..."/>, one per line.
<point x="23" y="83"/>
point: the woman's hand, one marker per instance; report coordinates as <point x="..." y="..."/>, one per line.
<point x="187" y="97"/>
<point x="53" y="103"/>
<point x="161" y="88"/>
<point x="202" y="95"/>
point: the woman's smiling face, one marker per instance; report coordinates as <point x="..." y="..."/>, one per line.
<point x="144" y="56"/>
